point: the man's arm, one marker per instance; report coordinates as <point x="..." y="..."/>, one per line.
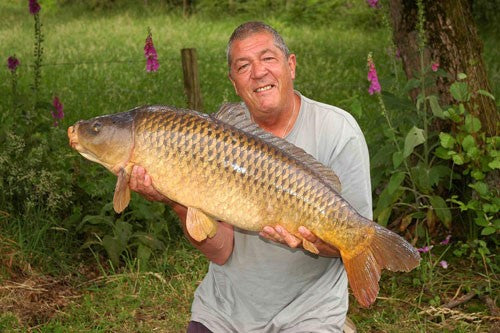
<point x="217" y="249"/>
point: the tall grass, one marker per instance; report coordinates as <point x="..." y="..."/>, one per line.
<point x="93" y="60"/>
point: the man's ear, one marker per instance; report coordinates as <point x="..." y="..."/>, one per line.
<point x="234" y="84"/>
<point x="292" y="63"/>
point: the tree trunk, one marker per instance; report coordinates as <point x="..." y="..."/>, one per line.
<point x="453" y="42"/>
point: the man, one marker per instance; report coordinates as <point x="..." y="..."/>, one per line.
<point x="263" y="282"/>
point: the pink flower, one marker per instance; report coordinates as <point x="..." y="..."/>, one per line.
<point x="435" y="66"/>
<point x="58" y="113"/>
<point x="152" y="63"/>
<point x="34" y="7"/>
<point x="372" y="3"/>
<point x="425" y="249"/>
<point x="372" y="77"/>
<point x="443" y="264"/>
<point x="446" y="241"/>
<point x="12" y="63"/>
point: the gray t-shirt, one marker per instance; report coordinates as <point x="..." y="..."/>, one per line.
<point x="268" y="287"/>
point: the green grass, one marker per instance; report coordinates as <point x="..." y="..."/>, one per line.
<point x="93" y="60"/>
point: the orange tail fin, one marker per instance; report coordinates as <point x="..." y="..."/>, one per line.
<point x="387" y="250"/>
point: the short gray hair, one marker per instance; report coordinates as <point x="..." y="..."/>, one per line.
<point x="249" y="28"/>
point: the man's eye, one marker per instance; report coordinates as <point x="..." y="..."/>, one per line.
<point x="242" y="67"/>
<point x="268" y="58"/>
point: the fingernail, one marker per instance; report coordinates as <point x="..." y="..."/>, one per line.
<point x="279" y="229"/>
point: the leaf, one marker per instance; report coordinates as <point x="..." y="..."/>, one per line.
<point x="123" y="231"/>
<point x="441" y="209"/>
<point x="472" y="124"/>
<point x="442" y="153"/>
<point x="397" y="159"/>
<point x="468" y="142"/>
<point x="486" y="93"/>
<point x="495" y="164"/>
<point x="420" y="175"/>
<point x="447" y="141"/>
<point x="458" y="159"/>
<point x="488" y="231"/>
<point x="384" y="215"/>
<point x="113" y="248"/>
<point x="412" y="84"/>
<point x="395" y="182"/>
<point x="459" y="91"/>
<point x="481" y="221"/>
<point x="461" y="76"/>
<point x="437" y="173"/>
<point x="477" y="175"/>
<point x="480" y="187"/>
<point x="435" y="107"/>
<point x="414" y="138"/>
<point x="143" y="255"/>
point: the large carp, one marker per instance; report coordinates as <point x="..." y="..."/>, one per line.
<point x="223" y="167"/>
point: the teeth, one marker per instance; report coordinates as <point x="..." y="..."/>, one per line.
<point x="264" y="88"/>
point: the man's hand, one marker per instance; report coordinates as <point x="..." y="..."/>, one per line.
<point x="281" y="235"/>
<point x="141" y="183"/>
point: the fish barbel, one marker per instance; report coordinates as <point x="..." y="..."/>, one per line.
<point x="223" y="167"/>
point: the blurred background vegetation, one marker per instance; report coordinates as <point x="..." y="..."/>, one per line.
<point x="135" y="271"/>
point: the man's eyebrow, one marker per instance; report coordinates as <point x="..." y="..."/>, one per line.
<point x="264" y="51"/>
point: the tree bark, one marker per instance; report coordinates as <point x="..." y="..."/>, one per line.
<point x="453" y="42"/>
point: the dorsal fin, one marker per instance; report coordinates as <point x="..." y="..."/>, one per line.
<point x="234" y="115"/>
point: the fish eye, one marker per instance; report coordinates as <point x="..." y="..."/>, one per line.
<point x="96" y="127"/>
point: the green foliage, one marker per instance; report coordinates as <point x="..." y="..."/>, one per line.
<point x="143" y="230"/>
<point x="437" y="176"/>
<point x="479" y="161"/>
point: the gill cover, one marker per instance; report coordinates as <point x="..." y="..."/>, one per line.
<point x="109" y="140"/>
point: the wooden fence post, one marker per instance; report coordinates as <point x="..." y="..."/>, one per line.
<point x="191" y="79"/>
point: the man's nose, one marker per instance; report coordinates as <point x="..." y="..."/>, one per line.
<point x="258" y="70"/>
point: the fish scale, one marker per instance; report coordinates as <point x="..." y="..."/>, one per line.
<point x="223" y="167"/>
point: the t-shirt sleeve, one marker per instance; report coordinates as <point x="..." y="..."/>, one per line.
<point x="350" y="160"/>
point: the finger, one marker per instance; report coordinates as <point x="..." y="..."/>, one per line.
<point x="289" y="239"/>
<point x="133" y="179"/>
<point x="307" y="234"/>
<point x="271" y="234"/>
<point x="147" y="180"/>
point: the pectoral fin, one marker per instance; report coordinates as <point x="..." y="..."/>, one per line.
<point x="122" y="192"/>
<point x="199" y="225"/>
<point x="309" y="246"/>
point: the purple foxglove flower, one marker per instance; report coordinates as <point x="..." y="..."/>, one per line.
<point x="152" y="63"/>
<point x="443" y="264"/>
<point x="372" y="77"/>
<point x="425" y="249"/>
<point x="34" y="7"/>
<point x="446" y="241"/>
<point x="58" y="113"/>
<point x="435" y="66"/>
<point x="12" y="63"/>
<point x="372" y="3"/>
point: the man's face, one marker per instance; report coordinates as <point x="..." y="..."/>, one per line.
<point x="260" y="73"/>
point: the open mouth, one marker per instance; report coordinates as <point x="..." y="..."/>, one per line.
<point x="264" y="88"/>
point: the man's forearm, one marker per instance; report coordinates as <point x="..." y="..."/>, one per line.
<point x="218" y="248"/>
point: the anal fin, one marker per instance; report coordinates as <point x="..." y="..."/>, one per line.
<point x="199" y="225"/>
<point x="309" y="246"/>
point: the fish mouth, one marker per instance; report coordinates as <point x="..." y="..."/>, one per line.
<point x="73" y="137"/>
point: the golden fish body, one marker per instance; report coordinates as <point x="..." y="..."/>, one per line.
<point x="225" y="168"/>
